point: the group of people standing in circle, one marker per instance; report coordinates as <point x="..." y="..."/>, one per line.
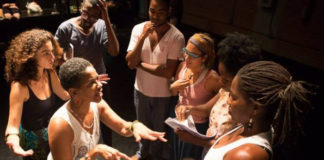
<point x="249" y="104"/>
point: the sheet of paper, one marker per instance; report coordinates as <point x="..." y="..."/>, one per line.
<point x="187" y="125"/>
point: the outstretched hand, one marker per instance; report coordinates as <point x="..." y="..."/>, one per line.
<point x="17" y="150"/>
<point x="141" y="131"/>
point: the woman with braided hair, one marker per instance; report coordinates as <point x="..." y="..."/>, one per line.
<point x="268" y="105"/>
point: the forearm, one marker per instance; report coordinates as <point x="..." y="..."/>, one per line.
<point x="133" y="57"/>
<point x="158" y="70"/>
<point x="174" y="89"/>
<point x="203" y="142"/>
<point x="205" y="109"/>
<point x="126" y="130"/>
<point x="113" y="45"/>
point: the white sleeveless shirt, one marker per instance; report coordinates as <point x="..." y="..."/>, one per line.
<point x="261" y="139"/>
<point x="83" y="141"/>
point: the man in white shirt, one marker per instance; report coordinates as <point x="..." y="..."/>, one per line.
<point x="154" y="50"/>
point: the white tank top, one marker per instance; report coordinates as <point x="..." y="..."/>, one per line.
<point x="261" y="139"/>
<point x="83" y="141"/>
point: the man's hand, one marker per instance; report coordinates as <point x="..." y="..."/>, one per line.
<point x="148" y="29"/>
<point x="103" y="9"/>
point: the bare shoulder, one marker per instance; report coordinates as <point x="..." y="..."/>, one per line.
<point x="214" y="75"/>
<point x="102" y="105"/>
<point x="20" y="90"/>
<point x="247" y="152"/>
<point x="213" y="82"/>
<point x="58" y="127"/>
<point x="18" y="86"/>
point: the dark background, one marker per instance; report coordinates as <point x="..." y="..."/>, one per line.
<point x="122" y="78"/>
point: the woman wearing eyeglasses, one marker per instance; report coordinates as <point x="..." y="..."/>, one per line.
<point x="196" y="83"/>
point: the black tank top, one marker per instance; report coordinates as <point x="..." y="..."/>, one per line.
<point x="37" y="113"/>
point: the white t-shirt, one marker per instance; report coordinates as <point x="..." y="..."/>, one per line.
<point x="83" y="141"/>
<point x="169" y="47"/>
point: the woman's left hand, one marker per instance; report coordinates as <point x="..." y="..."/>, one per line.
<point x="141" y="131"/>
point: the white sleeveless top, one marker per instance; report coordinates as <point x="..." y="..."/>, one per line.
<point x="261" y="139"/>
<point x="83" y="141"/>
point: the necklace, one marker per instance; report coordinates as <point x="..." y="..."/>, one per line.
<point x="81" y="121"/>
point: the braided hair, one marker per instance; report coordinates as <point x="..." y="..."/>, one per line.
<point x="286" y="100"/>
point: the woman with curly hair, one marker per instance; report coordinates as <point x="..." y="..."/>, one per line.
<point x="34" y="90"/>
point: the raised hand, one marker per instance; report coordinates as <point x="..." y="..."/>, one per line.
<point x="148" y="29"/>
<point x="103" y="9"/>
<point x="180" y="84"/>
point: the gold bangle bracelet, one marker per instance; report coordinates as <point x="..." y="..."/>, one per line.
<point x="131" y="128"/>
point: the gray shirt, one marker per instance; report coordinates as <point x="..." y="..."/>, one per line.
<point x="92" y="47"/>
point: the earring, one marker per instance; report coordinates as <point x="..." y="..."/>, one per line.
<point x="250" y="124"/>
<point x="76" y="101"/>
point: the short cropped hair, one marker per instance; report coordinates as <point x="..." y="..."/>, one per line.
<point x="72" y="71"/>
<point x="166" y="2"/>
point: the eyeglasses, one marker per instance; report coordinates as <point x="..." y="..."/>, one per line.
<point x="85" y="15"/>
<point x="194" y="55"/>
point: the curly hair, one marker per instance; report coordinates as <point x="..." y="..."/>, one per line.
<point x="205" y="44"/>
<point x="21" y="63"/>
<point x="237" y="50"/>
<point x="286" y="100"/>
<point x="71" y="72"/>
